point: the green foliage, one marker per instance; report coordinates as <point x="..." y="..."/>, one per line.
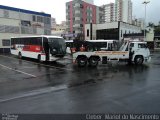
<point x="157" y="29"/>
<point x="150" y="24"/>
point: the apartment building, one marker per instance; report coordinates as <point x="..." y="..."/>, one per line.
<point x="109" y="12"/>
<point x="19" y="22"/>
<point x="89" y="1"/>
<point x="59" y="29"/>
<point x="79" y="13"/>
<point x="139" y="22"/>
<point x="127" y="11"/>
<point x="121" y="10"/>
<point x="53" y="23"/>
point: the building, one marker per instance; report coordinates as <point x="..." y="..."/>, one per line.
<point x="53" y="23"/>
<point x="79" y="13"/>
<point x="157" y="37"/>
<point x="89" y="1"/>
<point x="59" y="29"/>
<point x="127" y="11"/>
<point x="121" y="10"/>
<point x="149" y="37"/>
<point x="19" y="22"/>
<point x="157" y="40"/>
<point x="109" y="12"/>
<point x="138" y="22"/>
<point x="107" y="31"/>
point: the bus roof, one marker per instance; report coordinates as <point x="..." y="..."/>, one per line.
<point x="47" y="36"/>
<point x="68" y="40"/>
<point x="111" y="41"/>
<point x="139" y="42"/>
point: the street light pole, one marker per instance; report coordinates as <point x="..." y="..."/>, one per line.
<point x="145" y="3"/>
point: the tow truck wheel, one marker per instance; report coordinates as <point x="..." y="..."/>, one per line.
<point x="93" y="61"/>
<point x="19" y="55"/>
<point x="138" y="60"/>
<point x="82" y="61"/>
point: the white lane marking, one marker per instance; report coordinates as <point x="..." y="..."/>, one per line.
<point x="33" y="93"/>
<point x="17" y="70"/>
<point x="39" y="63"/>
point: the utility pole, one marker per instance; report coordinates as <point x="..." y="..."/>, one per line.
<point x="145" y="3"/>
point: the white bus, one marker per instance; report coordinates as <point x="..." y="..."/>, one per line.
<point x="91" y="45"/>
<point x="43" y="47"/>
<point x="106" y="45"/>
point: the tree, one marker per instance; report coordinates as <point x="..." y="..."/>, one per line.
<point x="157" y="30"/>
<point x="150" y="24"/>
<point x="159" y="23"/>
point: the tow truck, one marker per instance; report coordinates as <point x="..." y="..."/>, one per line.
<point x="131" y="51"/>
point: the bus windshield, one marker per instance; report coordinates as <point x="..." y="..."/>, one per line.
<point x="57" y="46"/>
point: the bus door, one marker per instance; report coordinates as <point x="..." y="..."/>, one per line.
<point x="46" y="47"/>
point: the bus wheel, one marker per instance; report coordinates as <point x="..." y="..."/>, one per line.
<point x="39" y="58"/>
<point x="93" y="61"/>
<point x="82" y="61"/>
<point x="138" y="60"/>
<point x="19" y="55"/>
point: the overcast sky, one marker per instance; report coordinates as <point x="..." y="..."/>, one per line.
<point x="57" y="7"/>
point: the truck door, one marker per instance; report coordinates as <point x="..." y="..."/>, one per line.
<point x="143" y="49"/>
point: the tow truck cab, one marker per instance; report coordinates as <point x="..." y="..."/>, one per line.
<point x="140" y="52"/>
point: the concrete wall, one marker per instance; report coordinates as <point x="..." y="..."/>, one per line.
<point x="10" y="22"/>
<point x="150" y="36"/>
<point x="94" y="28"/>
<point x="107" y="25"/>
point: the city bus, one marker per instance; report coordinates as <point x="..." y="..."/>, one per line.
<point x="42" y="48"/>
<point x="91" y="45"/>
<point x="102" y="45"/>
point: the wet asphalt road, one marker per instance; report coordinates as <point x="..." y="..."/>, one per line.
<point x="29" y="87"/>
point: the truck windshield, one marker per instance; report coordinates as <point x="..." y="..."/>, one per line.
<point x="57" y="46"/>
<point x="123" y="47"/>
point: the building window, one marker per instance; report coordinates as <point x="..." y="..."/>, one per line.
<point x="34" y="18"/>
<point x="68" y="6"/>
<point x="47" y="20"/>
<point x="81" y="19"/>
<point x="25" y="23"/>
<point x="87" y="32"/>
<point x="121" y="33"/>
<point x="39" y="19"/>
<point x="81" y="6"/>
<point x="6" y="42"/>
